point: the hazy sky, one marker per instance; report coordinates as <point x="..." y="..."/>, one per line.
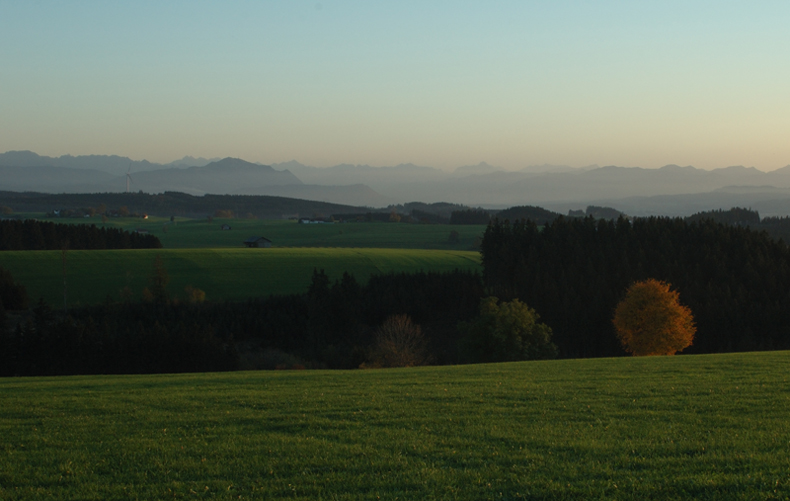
<point x="633" y="83"/>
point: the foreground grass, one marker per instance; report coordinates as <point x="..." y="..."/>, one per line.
<point x="690" y="427"/>
<point x="232" y="274"/>
<point x="199" y="233"/>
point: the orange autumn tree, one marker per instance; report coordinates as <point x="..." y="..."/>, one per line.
<point x="651" y="321"/>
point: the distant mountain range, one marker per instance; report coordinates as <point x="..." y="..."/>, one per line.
<point x="224" y="176"/>
<point x="562" y="187"/>
<point x="670" y="190"/>
<point x="26" y="171"/>
<point x="111" y="164"/>
<point x="767" y="200"/>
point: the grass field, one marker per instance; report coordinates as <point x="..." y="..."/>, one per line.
<point x="199" y="233"/>
<point x="710" y="427"/>
<point x="233" y="274"/>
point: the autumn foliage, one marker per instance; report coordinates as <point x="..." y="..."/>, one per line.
<point x="651" y="321"/>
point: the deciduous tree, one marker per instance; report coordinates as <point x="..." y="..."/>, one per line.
<point x="506" y="331"/>
<point x="158" y="282"/>
<point x="13" y="296"/>
<point x="194" y="295"/>
<point x="399" y="343"/>
<point x="651" y="321"/>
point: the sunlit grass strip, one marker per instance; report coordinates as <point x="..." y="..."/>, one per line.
<point x="701" y="427"/>
<point x="233" y="274"/>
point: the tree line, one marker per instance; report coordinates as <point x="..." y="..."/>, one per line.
<point x="546" y="290"/>
<point x="470" y="216"/>
<point x="41" y="235"/>
<point x="777" y="227"/>
<point x="332" y="325"/>
<point x="574" y="272"/>
<point x="736" y="216"/>
<point x="172" y="203"/>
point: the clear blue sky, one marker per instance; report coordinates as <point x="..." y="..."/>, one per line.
<point x="633" y="83"/>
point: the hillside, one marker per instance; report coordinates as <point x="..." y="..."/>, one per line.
<point x="688" y="427"/>
<point x="56" y="179"/>
<point x="224" y="274"/>
<point x="178" y="204"/>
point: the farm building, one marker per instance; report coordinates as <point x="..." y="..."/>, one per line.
<point x="258" y="242"/>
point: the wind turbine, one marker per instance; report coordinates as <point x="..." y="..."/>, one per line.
<point x="128" y="178"/>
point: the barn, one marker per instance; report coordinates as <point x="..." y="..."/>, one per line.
<point x="258" y="242"/>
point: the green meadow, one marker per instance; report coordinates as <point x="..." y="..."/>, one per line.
<point x="224" y="274"/>
<point x="711" y="427"/>
<point x="199" y="233"/>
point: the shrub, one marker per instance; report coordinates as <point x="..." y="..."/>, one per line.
<point x="506" y="331"/>
<point x="12" y="294"/>
<point x="194" y="295"/>
<point x="399" y="343"/>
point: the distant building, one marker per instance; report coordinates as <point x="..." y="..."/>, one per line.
<point x="225" y="227"/>
<point x="258" y="242"/>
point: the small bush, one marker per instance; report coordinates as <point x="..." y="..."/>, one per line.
<point x="399" y="343"/>
<point x="12" y="294"/>
<point x="194" y="295"/>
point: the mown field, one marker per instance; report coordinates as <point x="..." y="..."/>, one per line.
<point x="688" y="427"/>
<point x="199" y="233"/>
<point x="231" y="274"/>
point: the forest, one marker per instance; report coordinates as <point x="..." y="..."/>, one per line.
<point x="571" y="271"/>
<point x="30" y="234"/>
<point x="172" y="203"/>
<point x="538" y="215"/>
<point x="777" y="227"/>
<point x="332" y="325"/>
<point x="574" y="272"/>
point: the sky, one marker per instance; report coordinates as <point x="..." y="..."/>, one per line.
<point x="444" y="84"/>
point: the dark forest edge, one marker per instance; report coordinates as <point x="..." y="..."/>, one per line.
<point x="572" y="271"/>
<point x="333" y="325"/>
<point x="30" y="234"/>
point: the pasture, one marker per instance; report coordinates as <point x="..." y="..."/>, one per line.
<point x="224" y="274"/>
<point x="200" y="233"/>
<point x="709" y="427"/>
